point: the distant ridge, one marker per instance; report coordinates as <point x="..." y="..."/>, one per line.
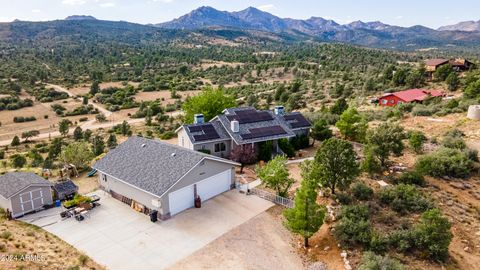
<point x="80" y="18"/>
<point x="468" y="26"/>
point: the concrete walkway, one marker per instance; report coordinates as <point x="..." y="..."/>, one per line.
<point x="294" y="161"/>
<point x="116" y="236"/>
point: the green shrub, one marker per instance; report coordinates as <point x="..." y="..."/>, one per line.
<point x="343" y="198"/>
<point x="6" y="235"/>
<point x="411" y="178"/>
<point x="402" y="240"/>
<point x="472" y="154"/>
<point x="416" y="139"/>
<point x="404" y="198"/>
<point x="432" y="234"/>
<point x="286" y="147"/>
<point x="2" y="154"/>
<point x="378" y="242"/>
<point x="370" y="163"/>
<point x="445" y="162"/>
<point x="78" y="199"/>
<point x="300" y="142"/>
<point x="454" y="142"/>
<point x="265" y="151"/>
<point x="371" y="261"/>
<point x="354" y="226"/>
<point x="167" y="135"/>
<point x="362" y="192"/>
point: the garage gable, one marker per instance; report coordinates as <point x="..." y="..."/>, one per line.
<point x="203" y="170"/>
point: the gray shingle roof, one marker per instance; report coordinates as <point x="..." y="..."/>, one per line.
<point x="12" y="183"/>
<point x="150" y="165"/>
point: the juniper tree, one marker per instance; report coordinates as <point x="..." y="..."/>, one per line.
<point x="337" y="166"/>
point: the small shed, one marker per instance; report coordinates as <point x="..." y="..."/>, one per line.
<point x="65" y="189"/>
<point x="24" y="192"/>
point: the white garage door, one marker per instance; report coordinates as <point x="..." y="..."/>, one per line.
<point x="31" y="200"/>
<point x="214" y="185"/>
<point x="181" y="199"/>
<point x="184" y="198"/>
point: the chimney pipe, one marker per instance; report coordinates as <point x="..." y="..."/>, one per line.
<point x="279" y="110"/>
<point x="198" y="119"/>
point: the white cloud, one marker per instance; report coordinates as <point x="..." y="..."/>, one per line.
<point x="74" y="2"/>
<point x="108" y="4"/>
<point x="36" y="11"/>
<point x="267" y="7"/>
<point x="399" y="17"/>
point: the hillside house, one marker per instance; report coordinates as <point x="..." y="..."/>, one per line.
<point x="461" y="64"/>
<point x="408" y="96"/>
<point x="432" y="65"/>
<point x="160" y="179"/>
<point x="242" y="126"/>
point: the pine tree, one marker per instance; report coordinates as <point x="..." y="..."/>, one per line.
<point x="98" y="145"/>
<point x="15" y="141"/>
<point x="78" y="134"/>
<point x="112" y="141"/>
<point x="307" y="216"/>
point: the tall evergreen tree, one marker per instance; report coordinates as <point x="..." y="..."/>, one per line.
<point x="307" y="216"/>
<point x="98" y="146"/>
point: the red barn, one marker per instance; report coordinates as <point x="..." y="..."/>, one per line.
<point x="407" y="96"/>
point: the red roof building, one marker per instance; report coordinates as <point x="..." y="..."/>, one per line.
<point x="407" y="96"/>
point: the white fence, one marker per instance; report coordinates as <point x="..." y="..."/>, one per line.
<point x="272" y="197"/>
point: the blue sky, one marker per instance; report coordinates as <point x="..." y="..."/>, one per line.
<point x="432" y="13"/>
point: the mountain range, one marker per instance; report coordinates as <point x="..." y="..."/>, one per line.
<point x="376" y="34"/>
<point x="251" y="23"/>
<point x="468" y="26"/>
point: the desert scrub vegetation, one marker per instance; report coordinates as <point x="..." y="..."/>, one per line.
<point x="404" y="198"/>
<point x="445" y="162"/>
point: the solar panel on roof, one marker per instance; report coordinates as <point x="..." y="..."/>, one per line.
<point x="250" y="116"/>
<point x="296" y="120"/>
<point x="263" y="132"/>
<point x="207" y="132"/>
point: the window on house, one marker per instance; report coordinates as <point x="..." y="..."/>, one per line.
<point x="392" y="101"/>
<point x="220" y="147"/>
<point x="384" y="101"/>
<point x="104" y="178"/>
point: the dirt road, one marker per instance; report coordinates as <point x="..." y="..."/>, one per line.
<point x="70" y="94"/>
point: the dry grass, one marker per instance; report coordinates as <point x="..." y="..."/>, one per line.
<point x="19" y="238"/>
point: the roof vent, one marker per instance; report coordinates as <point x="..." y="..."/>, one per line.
<point x="235" y="126"/>
<point x="173" y="154"/>
<point x="143" y="145"/>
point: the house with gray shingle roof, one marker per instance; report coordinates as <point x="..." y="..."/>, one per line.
<point x="24" y="192"/>
<point x="242" y="126"/>
<point x="153" y="175"/>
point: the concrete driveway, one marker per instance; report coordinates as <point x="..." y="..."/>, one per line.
<point x="116" y="236"/>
